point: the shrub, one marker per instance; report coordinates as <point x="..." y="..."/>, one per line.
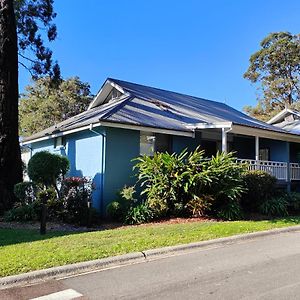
<point x="118" y="209"/>
<point x="275" y="207"/>
<point x="159" y="207"/>
<point x="114" y="211"/>
<point x="171" y="180"/>
<point x="26" y="212"/>
<point x="261" y="186"/>
<point x="53" y="203"/>
<point x="226" y="181"/>
<point x="138" y="214"/>
<point x="199" y="206"/>
<point x="76" y="194"/>
<point x="26" y="192"/>
<point x="293" y="200"/>
<point x="47" y="168"/>
<point x="230" y="211"/>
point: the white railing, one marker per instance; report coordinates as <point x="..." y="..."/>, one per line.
<point x="277" y="169"/>
<point x="295" y="171"/>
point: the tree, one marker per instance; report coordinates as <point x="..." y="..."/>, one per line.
<point x="276" y="68"/>
<point x="21" y="23"/>
<point x="44" y="105"/>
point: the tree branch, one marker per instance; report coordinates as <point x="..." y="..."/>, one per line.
<point x="28" y="69"/>
<point x="27" y="58"/>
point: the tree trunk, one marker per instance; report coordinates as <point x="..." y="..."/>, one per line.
<point x="10" y="156"/>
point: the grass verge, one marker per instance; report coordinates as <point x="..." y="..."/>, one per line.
<point x="25" y="250"/>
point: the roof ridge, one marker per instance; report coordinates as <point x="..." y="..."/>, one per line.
<point x="152" y="87"/>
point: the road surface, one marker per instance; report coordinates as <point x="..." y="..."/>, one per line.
<point x="261" y="268"/>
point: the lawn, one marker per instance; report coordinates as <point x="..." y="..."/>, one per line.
<point x="25" y="250"/>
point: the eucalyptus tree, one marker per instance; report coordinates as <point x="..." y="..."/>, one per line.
<point x="275" y="68"/>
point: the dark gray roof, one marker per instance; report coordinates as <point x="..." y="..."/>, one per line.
<point x="153" y="107"/>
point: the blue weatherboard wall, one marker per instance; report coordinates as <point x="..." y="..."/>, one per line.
<point x="122" y="146"/>
<point x="181" y="142"/>
<point x="84" y="151"/>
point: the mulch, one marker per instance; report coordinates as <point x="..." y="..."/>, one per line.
<point x="52" y="226"/>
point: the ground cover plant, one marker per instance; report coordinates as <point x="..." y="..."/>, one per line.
<point x="26" y="250"/>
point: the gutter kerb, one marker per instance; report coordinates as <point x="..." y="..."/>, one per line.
<point x="135" y="257"/>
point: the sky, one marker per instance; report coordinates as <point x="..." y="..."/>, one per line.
<point x="201" y="48"/>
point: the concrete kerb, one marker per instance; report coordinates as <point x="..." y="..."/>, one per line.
<point x="135" y="257"/>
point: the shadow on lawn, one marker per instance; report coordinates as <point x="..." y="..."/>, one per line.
<point x="18" y="236"/>
<point x="292" y="220"/>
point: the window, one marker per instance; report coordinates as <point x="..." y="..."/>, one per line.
<point x="147" y="143"/>
<point x="163" y="142"/>
<point x="264" y="154"/>
<point x="150" y="143"/>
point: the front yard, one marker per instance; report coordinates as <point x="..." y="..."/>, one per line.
<point x="23" y="250"/>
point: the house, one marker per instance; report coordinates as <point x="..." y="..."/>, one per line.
<point x="126" y="119"/>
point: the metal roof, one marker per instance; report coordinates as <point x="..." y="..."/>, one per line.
<point x="152" y="107"/>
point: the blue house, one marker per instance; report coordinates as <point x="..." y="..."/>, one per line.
<point x="127" y="119"/>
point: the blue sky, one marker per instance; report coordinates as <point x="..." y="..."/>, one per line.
<point x="195" y="47"/>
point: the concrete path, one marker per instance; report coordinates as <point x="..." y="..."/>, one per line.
<point x="261" y="268"/>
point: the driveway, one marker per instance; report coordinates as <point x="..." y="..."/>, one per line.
<point x="261" y="268"/>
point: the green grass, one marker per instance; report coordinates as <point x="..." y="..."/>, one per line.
<point x="25" y="250"/>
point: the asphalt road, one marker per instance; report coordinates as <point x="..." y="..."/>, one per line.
<point x="261" y="268"/>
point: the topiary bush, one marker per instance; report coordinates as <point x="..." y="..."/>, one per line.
<point x="46" y="168"/>
<point x="260" y="186"/>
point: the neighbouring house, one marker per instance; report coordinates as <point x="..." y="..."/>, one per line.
<point x="127" y="119"/>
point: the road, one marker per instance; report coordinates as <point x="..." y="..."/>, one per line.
<point x="261" y="268"/>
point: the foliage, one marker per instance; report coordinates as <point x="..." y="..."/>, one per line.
<point x="167" y="179"/>
<point x="32" y="17"/>
<point x="26" y="192"/>
<point x="226" y="184"/>
<point x="276" y="206"/>
<point x="76" y="193"/>
<point x="260" y="186"/>
<point x="159" y="207"/>
<point x="114" y="211"/>
<point x="47" y="168"/>
<point x="26" y="250"/>
<point x="26" y="212"/>
<point x="293" y="200"/>
<point x="24" y="25"/>
<point x="231" y="210"/>
<point x="138" y="214"/>
<point x="276" y="67"/>
<point x="187" y="183"/>
<point x="73" y="205"/>
<point x="44" y="104"/>
<point x="125" y="199"/>
<point x="199" y="205"/>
